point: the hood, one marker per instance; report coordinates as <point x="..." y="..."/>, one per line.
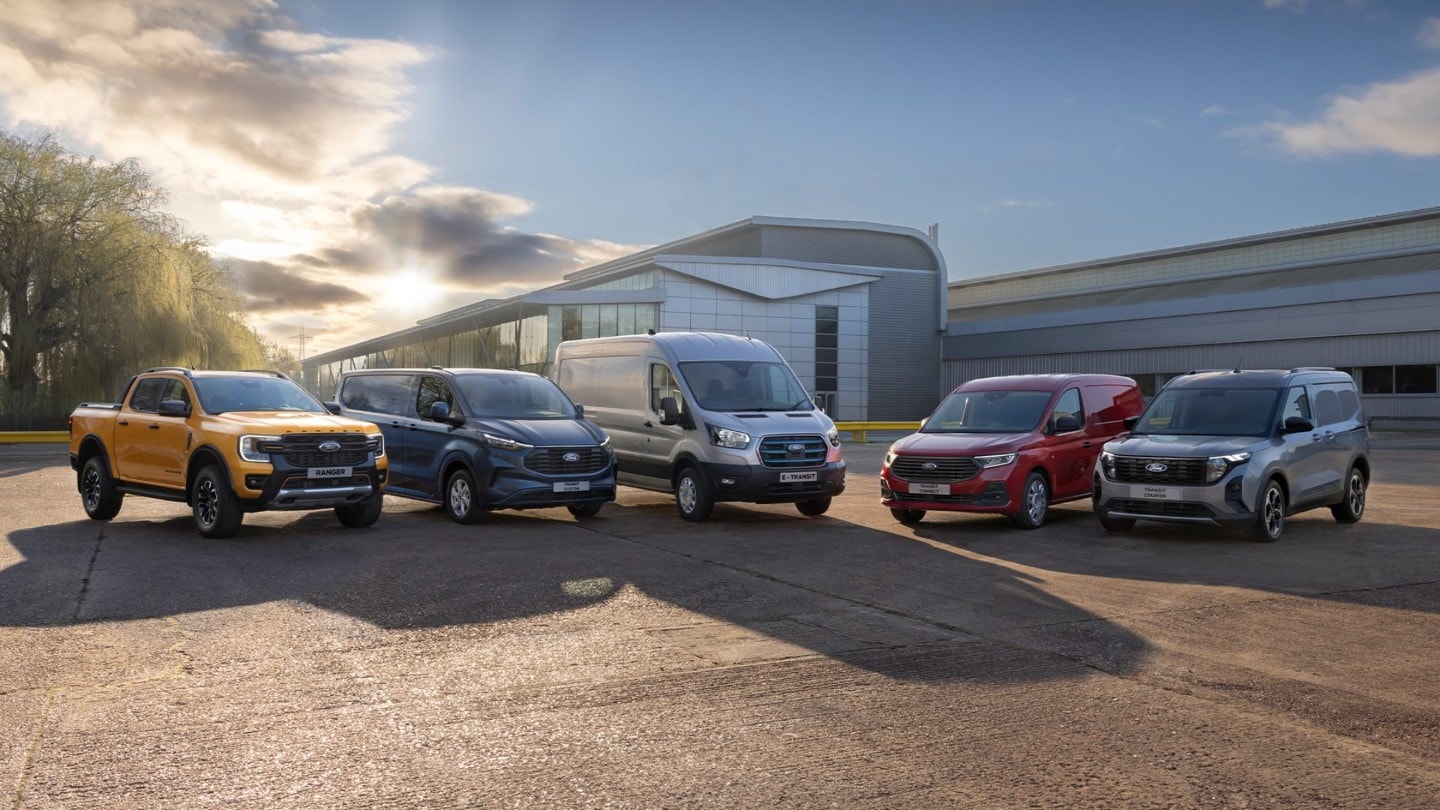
<point x="769" y="423"/>
<point x="540" y="432"/>
<point x="960" y="444"/>
<point x="283" y="422"/>
<point x="1183" y="446"/>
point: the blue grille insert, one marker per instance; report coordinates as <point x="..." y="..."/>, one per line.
<point x="790" y="452"/>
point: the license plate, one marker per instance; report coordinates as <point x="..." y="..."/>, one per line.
<point x="1160" y="493"/>
<point x="329" y="472"/>
<point x="572" y="486"/>
<point x="930" y="489"/>
<point x="805" y="476"/>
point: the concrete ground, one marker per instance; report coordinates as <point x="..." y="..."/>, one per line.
<point x="762" y="659"/>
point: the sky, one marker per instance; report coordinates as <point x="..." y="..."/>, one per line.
<point x="362" y="164"/>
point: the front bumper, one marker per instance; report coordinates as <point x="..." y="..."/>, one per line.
<point x="987" y="491"/>
<point x="747" y="484"/>
<point x="1225" y="503"/>
<point x="286" y="487"/>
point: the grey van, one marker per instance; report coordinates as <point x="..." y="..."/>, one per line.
<point x="481" y="439"/>
<point x="1239" y="448"/>
<point x="709" y="417"/>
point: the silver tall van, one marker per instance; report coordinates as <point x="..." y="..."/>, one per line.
<point x="710" y="417"/>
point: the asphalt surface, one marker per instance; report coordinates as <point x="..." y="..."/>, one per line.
<point x="762" y="659"/>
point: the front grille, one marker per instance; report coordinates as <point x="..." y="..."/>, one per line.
<point x="567" y="460"/>
<point x="296" y="482"/>
<point x="303" y="450"/>
<point x="790" y="452"/>
<point x="1132" y="470"/>
<point x="1162" y="508"/>
<point x="934" y="470"/>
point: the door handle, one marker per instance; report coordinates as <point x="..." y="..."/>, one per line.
<point x="1086" y="445"/>
<point x="154" y="426"/>
<point x="648" y="423"/>
<point x="123" y="422"/>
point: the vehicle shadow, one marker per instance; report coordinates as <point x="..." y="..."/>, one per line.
<point x="751" y="585"/>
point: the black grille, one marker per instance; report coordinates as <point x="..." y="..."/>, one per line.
<point x="790" y="452"/>
<point x="1162" y="508"/>
<point x="1134" y="470"/>
<point x="553" y="461"/>
<point x="304" y="450"/>
<point x="940" y="470"/>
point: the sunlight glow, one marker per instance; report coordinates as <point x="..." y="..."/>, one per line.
<point x="409" y="290"/>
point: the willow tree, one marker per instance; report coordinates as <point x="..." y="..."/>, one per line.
<point x="97" y="281"/>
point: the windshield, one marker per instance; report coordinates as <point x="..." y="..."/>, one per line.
<point x="1210" y="412"/>
<point x="989" y="412"/>
<point x="745" y="386"/>
<point x="225" y="394"/>
<point x="510" y="396"/>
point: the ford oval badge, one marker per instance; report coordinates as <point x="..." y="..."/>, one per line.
<point x="794" y="449"/>
<point x="570" y="458"/>
<point x="1156" y="467"/>
<point x="330" y="447"/>
<point x="929" y="466"/>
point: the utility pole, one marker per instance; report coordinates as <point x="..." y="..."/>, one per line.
<point x="303" y="339"/>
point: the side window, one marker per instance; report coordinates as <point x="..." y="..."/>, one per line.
<point x="1297" y="403"/>
<point x="1069" y="405"/>
<point x="146" y="398"/>
<point x="662" y="384"/>
<point x="176" y="390"/>
<point x="1335" y="403"/>
<point x="379" y="393"/>
<point x="432" y="390"/>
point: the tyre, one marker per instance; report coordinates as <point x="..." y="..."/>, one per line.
<point x="462" y="500"/>
<point x="692" y="496"/>
<point x="217" y="510"/>
<point x="585" y="510"/>
<point x="361" y="514"/>
<point x="908" y="516"/>
<point x="1114" y="524"/>
<point x="1034" y="502"/>
<point x="814" y="508"/>
<point x="1350" y="509"/>
<point x="1269" y="519"/>
<point x="97" y="490"/>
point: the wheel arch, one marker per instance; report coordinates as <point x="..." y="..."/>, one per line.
<point x="204" y="456"/>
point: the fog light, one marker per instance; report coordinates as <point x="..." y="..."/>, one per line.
<point x="254" y="482"/>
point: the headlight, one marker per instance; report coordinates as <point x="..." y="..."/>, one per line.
<point x="1107" y="464"/>
<point x="504" y="443"/>
<point x="1217" y="466"/>
<point x="254" y="448"/>
<point x="890" y="456"/>
<point x="833" y="436"/>
<point x="725" y="437"/>
<point x="377" y="445"/>
<point x="995" y="461"/>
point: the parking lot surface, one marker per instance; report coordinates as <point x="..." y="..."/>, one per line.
<point x="761" y="659"/>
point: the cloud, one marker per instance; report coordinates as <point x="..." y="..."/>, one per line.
<point x="1011" y="203"/>
<point x="1429" y="36"/>
<point x="1402" y="117"/>
<point x="1216" y="110"/>
<point x="270" y="287"/>
<point x="282" y="141"/>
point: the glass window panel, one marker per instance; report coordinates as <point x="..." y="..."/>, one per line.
<point x="625" y="319"/>
<point x="1415" y="379"/>
<point x="1377" y="380"/>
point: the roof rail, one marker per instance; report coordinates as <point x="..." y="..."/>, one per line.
<point x="1313" y="368"/>
<point x="1210" y="370"/>
<point x="272" y="372"/>
<point x="180" y="369"/>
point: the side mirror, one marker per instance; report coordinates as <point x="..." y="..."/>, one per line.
<point x="670" y="412"/>
<point x="1297" y="424"/>
<point x="440" y="412"/>
<point x="174" y="407"/>
<point x="1130" y="422"/>
<point x="579" y="411"/>
<point x="332" y="407"/>
<point x="1065" y="424"/>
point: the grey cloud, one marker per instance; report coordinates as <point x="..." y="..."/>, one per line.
<point x="268" y="287"/>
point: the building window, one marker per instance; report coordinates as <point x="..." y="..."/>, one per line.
<point x="827" y="348"/>
<point x="1411" y="379"/>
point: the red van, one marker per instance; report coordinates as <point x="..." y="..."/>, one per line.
<point x="1009" y="445"/>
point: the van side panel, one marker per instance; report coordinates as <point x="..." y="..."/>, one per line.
<point x="612" y="389"/>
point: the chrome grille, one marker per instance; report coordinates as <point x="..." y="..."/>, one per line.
<point x="1133" y="470"/>
<point x="790" y="452"/>
<point x="567" y="460"/>
<point x="934" y="469"/>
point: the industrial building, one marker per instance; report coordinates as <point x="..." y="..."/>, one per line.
<point x="864" y="314"/>
<point x="1361" y="295"/>
<point x="858" y="310"/>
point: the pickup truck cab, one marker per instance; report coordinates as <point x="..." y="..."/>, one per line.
<point x="226" y="443"/>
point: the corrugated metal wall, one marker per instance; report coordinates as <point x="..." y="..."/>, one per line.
<point x="904" y="347"/>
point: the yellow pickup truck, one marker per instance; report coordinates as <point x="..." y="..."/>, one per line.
<point x="226" y="443"/>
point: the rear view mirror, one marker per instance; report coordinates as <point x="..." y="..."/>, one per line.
<point x="1297" y="424"/>
<point x="579" y="411"/>
<point x="440" y="412"/>
<point x="670" y="414"/>
<point x="1066" y="424"/>
<point x="174" y="407"/>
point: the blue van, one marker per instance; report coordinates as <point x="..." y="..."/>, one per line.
<point x="475" y="440"/>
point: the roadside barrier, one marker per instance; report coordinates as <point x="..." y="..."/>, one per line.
<point x="860" y="431"/>
<point x="34" y="436"/>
